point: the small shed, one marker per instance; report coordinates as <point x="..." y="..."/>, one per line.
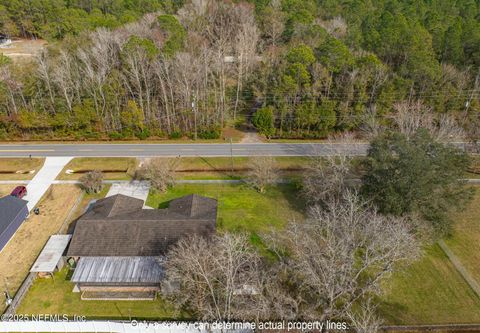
<point x="51" y="257"/>
<point x="13" y="212"/>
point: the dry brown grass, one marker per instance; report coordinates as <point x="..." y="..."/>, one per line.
<point x="6" y="189"/>
<point x="125" y="167"/>
<point x="22" y="250"/>
<point x="19" y="164"/>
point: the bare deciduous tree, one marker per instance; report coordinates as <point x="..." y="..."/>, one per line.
<point x="371" y="126"/>
<point x="262" y="172"/>
<point x="364" y="319"/>
<point x="410" y="116"/>
<point x="327" y="176"/>
<point x="340" y="255"/>
<point x="92" y="182"/>
<point x="336" y="27"/>
<point x="160" y="172"/>
<point x="273" y="22"/>
<point x="219" y="278"/>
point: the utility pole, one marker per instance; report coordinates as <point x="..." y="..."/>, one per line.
<point x="194" y="109"/>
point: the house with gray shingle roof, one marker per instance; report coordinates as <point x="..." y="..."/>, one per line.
<point x="13" y="212"/>
<point x="119" y="247"/>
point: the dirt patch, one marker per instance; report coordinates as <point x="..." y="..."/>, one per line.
<point x="23" y="48"/>
<point x="22" y="250"/>
<point x="251" y="137"/>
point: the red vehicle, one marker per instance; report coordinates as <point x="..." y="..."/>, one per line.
<point x="19" y="192"/>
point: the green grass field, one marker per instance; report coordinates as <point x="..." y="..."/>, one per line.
<point x="465" y="239"/>
<point x="240" y="208"/>
<point x="430" y="291"/>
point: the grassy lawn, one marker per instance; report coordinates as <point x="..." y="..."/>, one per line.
<point x="53" y="296"/>
<point x="241" y="208"/>
<point x="465" y="239"/>
<point x="122" y="168"/>
<point x="430" y="291"/>
<point x="24" y="166"/>
<point x="221" y="167"/>
<point x="22" y="250"/>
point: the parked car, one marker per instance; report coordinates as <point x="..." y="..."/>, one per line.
<point x="19" y="192"/>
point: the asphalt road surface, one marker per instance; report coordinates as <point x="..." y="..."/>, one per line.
<point x="151" y="150"/>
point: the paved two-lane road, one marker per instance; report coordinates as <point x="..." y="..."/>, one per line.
<point x="151" y="150"/>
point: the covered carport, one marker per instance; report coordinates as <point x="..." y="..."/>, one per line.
<point x="51" y="257"/>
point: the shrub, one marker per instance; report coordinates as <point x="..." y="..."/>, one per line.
<point x="263" y="120"/>
<point x="160" y="172"/>
<point x="92" y="182"/>
<point x="212" y="133"/>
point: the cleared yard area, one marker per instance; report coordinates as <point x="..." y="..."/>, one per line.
<point x="19" y="168"/>
<point x="430" y="291"/>
<point x="53" y="296"/>
<point x="24" y="247"/>
<point x="23" y="49"/>
<point x="114" y="168"/>
<point x="240" y="208"/>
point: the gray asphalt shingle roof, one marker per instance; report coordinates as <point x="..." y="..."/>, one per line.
<point x="118" y="226"/>
<point x="10" y="207"/>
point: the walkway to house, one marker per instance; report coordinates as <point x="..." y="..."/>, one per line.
<point x="37" y="187"/>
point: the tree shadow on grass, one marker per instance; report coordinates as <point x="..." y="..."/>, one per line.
<point x="291" y="193"/>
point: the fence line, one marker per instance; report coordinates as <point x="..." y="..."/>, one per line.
<point x="460" y="268"/>
<point x="20" y="294"/>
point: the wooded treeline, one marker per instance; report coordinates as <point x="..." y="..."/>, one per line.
<point x="310" y="67"/>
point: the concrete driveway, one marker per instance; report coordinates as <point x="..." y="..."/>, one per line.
<point x="37" y="187"/>
<point x="136" y="189"/>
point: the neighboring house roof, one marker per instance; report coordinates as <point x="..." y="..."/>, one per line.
<point x="10" y="208"/>
<point x="51" y="254"/>
<point x="118" y="226"/>
<point x="124" y="270"/>
<point x="13" y="212"/>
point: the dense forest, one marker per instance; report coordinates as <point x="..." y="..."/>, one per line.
<point x="294" y="68"/>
